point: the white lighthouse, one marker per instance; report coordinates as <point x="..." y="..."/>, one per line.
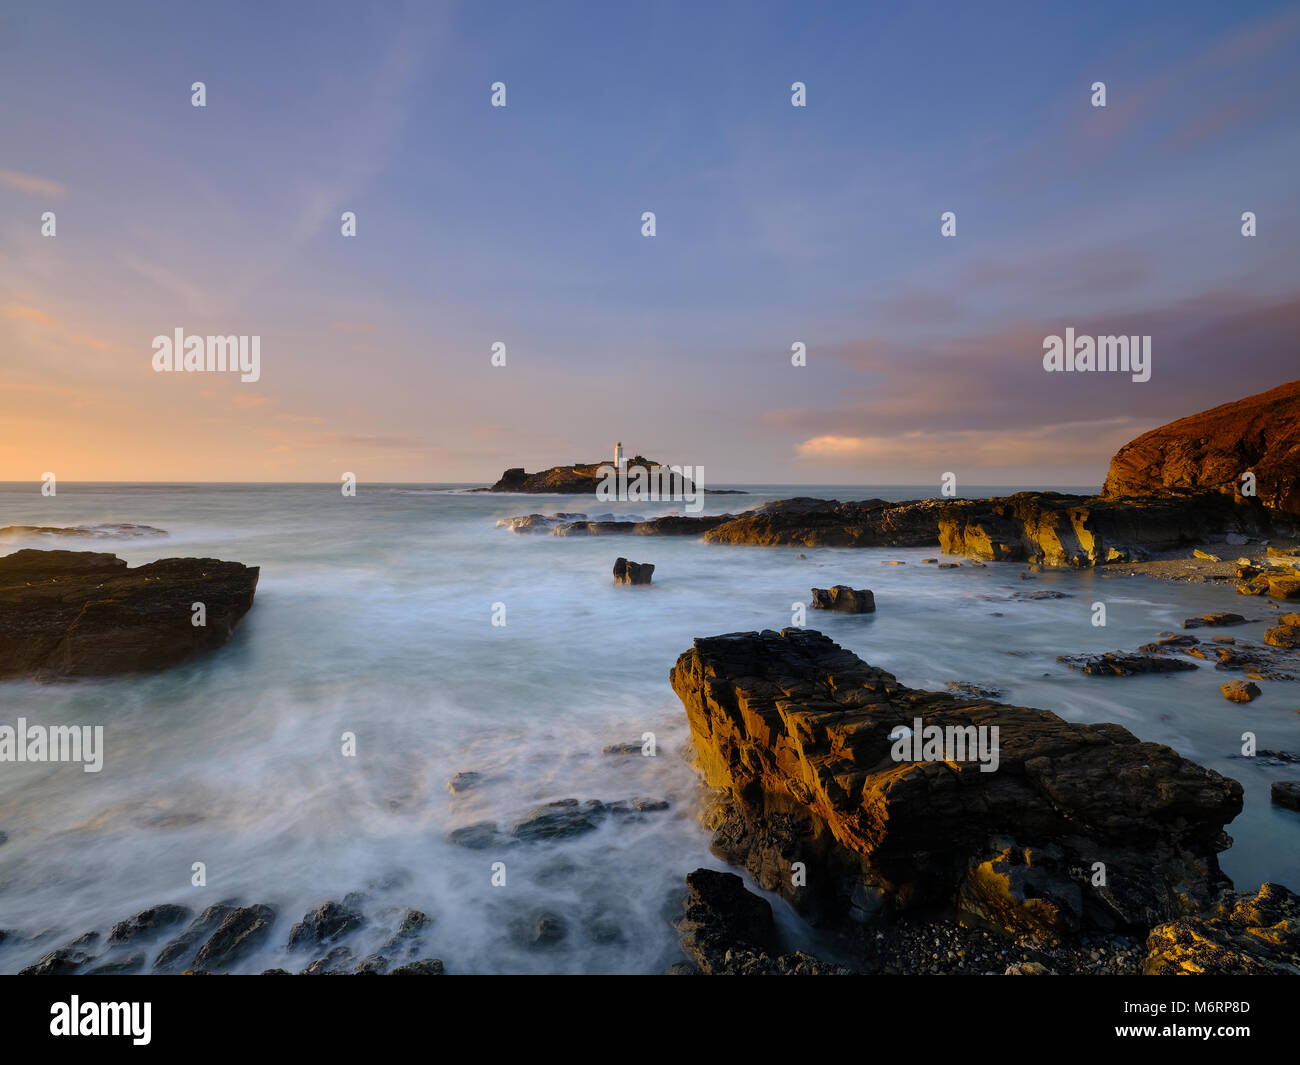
<point x="619" y="460"/>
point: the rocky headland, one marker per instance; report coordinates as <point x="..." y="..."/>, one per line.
<point x="86" y="613"/>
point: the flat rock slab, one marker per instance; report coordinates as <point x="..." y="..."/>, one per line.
<point x="86" y="613"/>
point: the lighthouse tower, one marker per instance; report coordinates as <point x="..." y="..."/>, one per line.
<point x="619" y="460"/>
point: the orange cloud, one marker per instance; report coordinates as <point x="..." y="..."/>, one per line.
<point x="31" y="184"/>
<point x="28" y="314"/>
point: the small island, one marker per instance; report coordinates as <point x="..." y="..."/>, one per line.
<point x="583" y="478"/>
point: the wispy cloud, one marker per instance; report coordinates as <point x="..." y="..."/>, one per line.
<point x="32" y="184"/>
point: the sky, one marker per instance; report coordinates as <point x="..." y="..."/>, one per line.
<point x="522" y="224"/>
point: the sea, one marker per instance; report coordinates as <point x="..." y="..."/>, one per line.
<point x="405" y="618"/>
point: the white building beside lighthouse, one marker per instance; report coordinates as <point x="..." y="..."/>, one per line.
<point x="619" y="459"/>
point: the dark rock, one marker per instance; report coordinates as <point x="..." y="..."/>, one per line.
<point x="240" y="933"/>
<point x="543" y="929"/>
<point x="1222" y="618"/>
<point x="462" y="782"/>
<point x="82" y="613"/>
<point x="479" y="836"/>
<point x="427" y="967"/>
<point x="179" y="953"/>
<point x="796" y="731"/>
<point x="1124" y="664"/>
<point x="149" y="923"/>
<point x="626" y="572"/>
<point x="132" y="963"/>
<point x="844" y="599"/>
<point x="1286" y="793"/>
<point x="336" y="962"/>
<point x="722" y="915"/>
<point x="972" y="691"/>
<point x="328" y="921"/>
<point x="66" y="960"/>
<point x="558" y="820"/>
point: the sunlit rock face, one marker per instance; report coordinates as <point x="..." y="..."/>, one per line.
<point x="1212" y="450"/>
<point x="1071" y="826"/>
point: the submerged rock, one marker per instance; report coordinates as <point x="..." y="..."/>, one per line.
<point x="1124" y="664"/>
<point x="84" y="613"/>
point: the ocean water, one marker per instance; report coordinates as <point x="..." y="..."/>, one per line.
<point x="374" y="616"/>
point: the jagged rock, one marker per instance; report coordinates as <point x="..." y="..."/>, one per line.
<point x="132" y="963"/>
<point x="336" y="962"/>
<point x="1124" y="664"/>
<point x="1215" y="619"/>
<point x="66" y="960"/>
<point x="148" y="923"/>
<point x="179" y="953"/>
<point x="728" y="930"/>
<point x="797" y="731"/>
<point x="626" y="572"/>
<point x="85" y="613"/>
<point x="241" y="932"/>
<point x="427" y="967"/>
<point x="1240" y="691"/>
<point x="1209" y="452"/>
<point x="1243" y="935"/>
<point x="844" y="599"/>
<point x="722" y="915"/>
<point x="1205" y="556"/>
<point x="1286" y="793"/>
<point x="328" y="921"/>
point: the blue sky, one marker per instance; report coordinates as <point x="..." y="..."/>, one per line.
<point x="775" y="224"/>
